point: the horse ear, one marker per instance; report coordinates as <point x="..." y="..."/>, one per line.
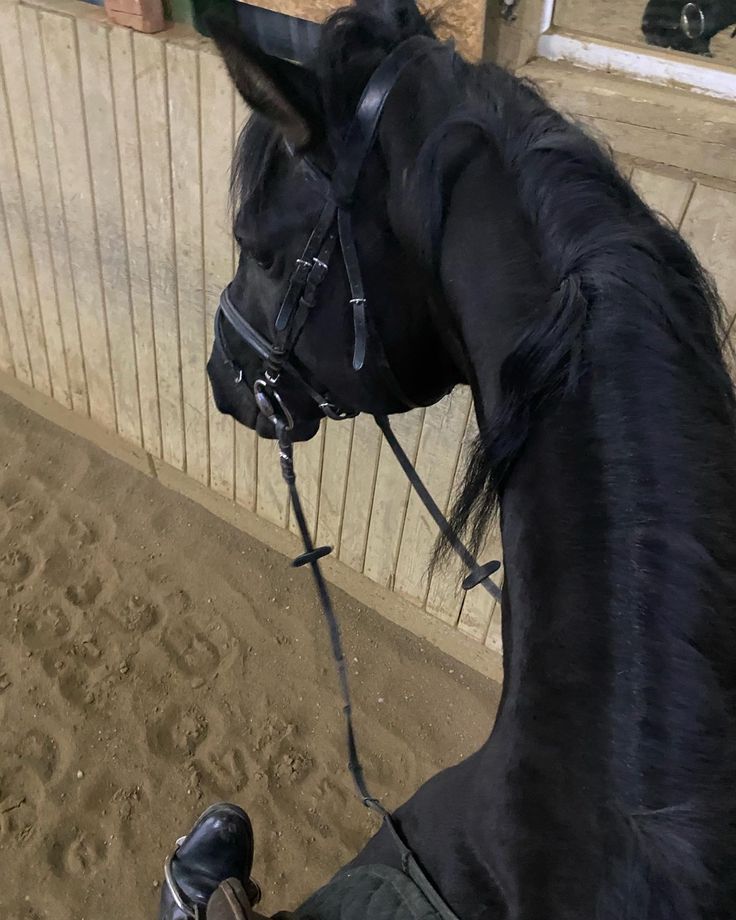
<point x="284" y="93"/>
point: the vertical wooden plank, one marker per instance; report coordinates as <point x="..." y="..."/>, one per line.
<point x="665" y="194"/>
<point x="136" y="235"/>
<point x="186" y="169"/>
<point x="216" y="131"/>
<point x="153" y="127"/>
<point x="11" y="307"/>
<point x="20" y="249"/>
<point x="97" y="95"/>
<point x="390" y="501"/>
<point x="445" y="596"/>
<point x="43" y="293"/>
<point x="241" y="113"/>
<point x="246" y="441"/>
<point x="60" y="54"/>
<point x="335" y="465"/>
<point x="246" y="465"/>
<point x="362" y="470"/>
<point x="437" y="457"/>
<point x="308" y="468"/>
<point x="273" y="499"/>
<point x="710" y="227"/>
<point x="35" y="67"/>
<point x="6" y="355"/>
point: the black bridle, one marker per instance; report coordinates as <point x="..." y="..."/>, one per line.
<point x="333" y="228"/>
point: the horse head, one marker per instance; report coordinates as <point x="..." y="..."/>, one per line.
<point x="326" y="273"/>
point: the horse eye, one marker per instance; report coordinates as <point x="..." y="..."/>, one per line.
<point x="265" y="262"/>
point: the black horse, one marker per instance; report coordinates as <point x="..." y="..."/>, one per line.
<point x="684" y="25"/>
<point x="501" y="248"/>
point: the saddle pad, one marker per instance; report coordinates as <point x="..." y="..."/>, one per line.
<point x="371" y="892"/>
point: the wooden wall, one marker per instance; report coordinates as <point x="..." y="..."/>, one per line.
<point x="115" y="242"/>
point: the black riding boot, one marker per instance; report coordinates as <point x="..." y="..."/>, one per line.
<point x="218" y="847"/>
<point x="687" y="25"/>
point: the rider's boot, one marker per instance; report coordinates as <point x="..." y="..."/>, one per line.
<point x="219" y="847"/>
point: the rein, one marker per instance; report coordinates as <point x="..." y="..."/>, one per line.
<point x="311" y="557"/>
<point x="333" y="229"/>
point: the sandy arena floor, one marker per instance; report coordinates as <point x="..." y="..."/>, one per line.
<point x="154" y="660"/>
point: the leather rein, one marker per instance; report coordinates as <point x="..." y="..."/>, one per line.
<point x="333" y="228"/>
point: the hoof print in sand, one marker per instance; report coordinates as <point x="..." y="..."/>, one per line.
<point x="15" y="567"/>
<point x="19" y="511"/>
<point x="190" y="651"/>
<point x="291" y="767"/>
<point x="225" y="771"/>
<point x="38" y="752"/>
<point x="84" y="595"/>
<point x="177" y="731"/>
<point x="75" y="852"/>
<point x="136" y="614"/>
<point x="80" y="533"/>
<point x="79" y="692"/>
<point x="45" y="628"/>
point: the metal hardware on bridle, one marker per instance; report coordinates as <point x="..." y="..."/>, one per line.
<point x="266" y="394"/>
<point x="227" y="311"/>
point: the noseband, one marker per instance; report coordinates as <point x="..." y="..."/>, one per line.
<point x="334" y="226"/>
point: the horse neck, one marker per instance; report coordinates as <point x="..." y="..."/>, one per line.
<point x="616" y="730"/>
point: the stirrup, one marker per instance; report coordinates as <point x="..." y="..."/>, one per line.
<point x="180" y="899"/>
<point x="253" y="889"/>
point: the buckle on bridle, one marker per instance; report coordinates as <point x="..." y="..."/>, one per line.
<point x="271" y="405"/>
<point x="318" y="272"/>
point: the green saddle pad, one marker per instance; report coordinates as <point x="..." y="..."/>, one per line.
<point x="368" y="893"/>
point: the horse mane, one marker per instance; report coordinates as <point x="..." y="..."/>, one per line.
<point x="632" y="309"/>
<point x="605" y="250"/>
<point x="588" y="222"/>
<point x="354" y="42"/>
